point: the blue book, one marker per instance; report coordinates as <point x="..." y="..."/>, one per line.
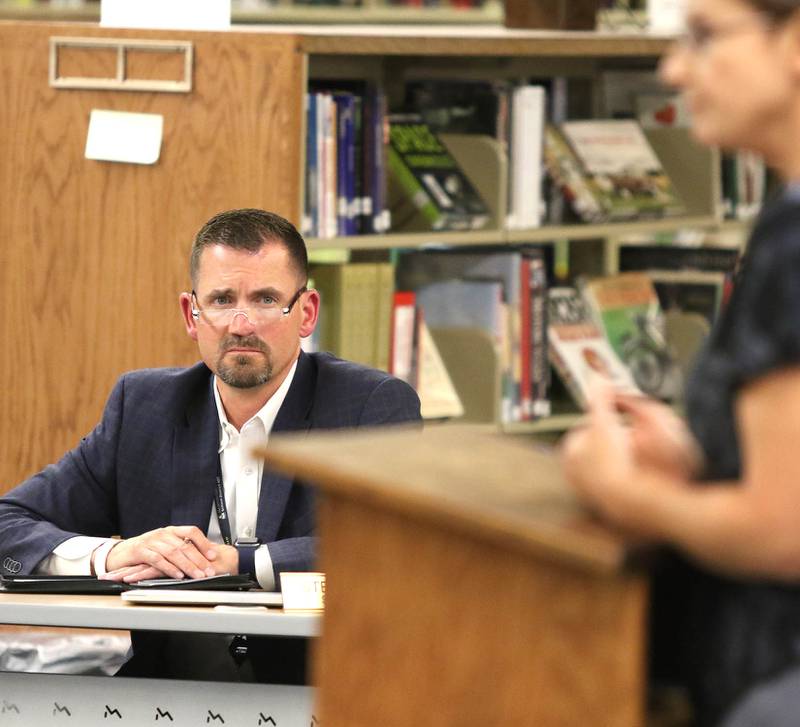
<point x="346" y="105"/>
<point x="311" y="205"/>
<point x="344" y="119"/>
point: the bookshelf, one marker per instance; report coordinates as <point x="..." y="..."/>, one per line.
<point x="96" y="252"/>
<point x="402" y="54"/>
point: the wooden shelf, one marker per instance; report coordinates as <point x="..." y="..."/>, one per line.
<point x="45" y="11"/>
<point x="476" y="41"/>
<point x="491" y="14"/>
<point x="547" y="425"/>
<point x="401" y="31"/>
<point x="609" y="229"/>
<point x="548" y="233"/>
<point x="408" y="239"/>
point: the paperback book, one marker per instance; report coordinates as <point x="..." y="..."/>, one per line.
<point x="430" y="178"/>
<point x="627" y="309"/>
<point x="621" y="177"/>
<point x="578" y="349"/>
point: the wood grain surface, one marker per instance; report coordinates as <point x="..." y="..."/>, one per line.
<point x="475" y="42"/>
<point x="560" y="14"/>
<point x="94" y="254"/>
<point x="431" y="627"/>
<point x="458" y="478"/>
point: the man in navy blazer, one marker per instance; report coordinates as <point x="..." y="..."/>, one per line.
<point x="169" y="439"/>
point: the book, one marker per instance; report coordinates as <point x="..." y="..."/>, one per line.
<point x="578" y="349"/>
<point x="464" y="304"/>
<point x="345" y="169"/>
<point x="472" y="304"/>
<point x="621" y="169"/>
<point x="351" y="313"/>
<point x="310" y="225"/>
<point x="525" y="204"/>
<point x="539" y="368"/>
<point x="437" y="395"/>
<point x="565" y="172"/>
<point x="404" y="335"/>
<point x="648" y="256"/>
<point x="620" y="89"/>
<point x="328" y="164"/>
<point x="460" y="106"/>
<point x="346" y="164"/>
<point x="430" y="177"/>
<point x="418" y="269"/>
<point x="689" y="291"/>
<point x="627" y="309"/>
<point x="744" y="184"/>
<point x="384" y="306"/>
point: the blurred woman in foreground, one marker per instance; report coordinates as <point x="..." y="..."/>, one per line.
<point x="726" y="489"/>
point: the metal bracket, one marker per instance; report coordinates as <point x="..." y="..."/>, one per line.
<point x="121" y="82"/>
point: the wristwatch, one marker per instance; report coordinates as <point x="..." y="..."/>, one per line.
<point x="246" y="547"/>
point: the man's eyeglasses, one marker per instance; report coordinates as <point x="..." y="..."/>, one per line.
<point x="699" y="37"/>
<point x="220" y="314"/>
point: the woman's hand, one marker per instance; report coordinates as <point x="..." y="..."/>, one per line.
<point x="598" y="456"/>
<point x="660" y="438"/>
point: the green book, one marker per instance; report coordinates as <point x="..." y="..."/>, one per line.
<point x="431" y="178"/>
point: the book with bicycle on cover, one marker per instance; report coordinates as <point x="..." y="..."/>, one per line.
<point x="578" y="348"/>
<point x="627" y="309"/>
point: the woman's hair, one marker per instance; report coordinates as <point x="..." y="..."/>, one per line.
<point x="777" y="10"/>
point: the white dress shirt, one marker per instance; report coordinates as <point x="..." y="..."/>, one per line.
<point x="241" y="479"/>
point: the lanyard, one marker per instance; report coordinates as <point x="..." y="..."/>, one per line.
<point x="222" y="510"/>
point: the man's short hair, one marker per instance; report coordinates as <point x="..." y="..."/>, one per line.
<point x="249" y="229"/>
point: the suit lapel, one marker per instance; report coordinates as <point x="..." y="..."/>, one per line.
<point x="293" y="416"/>
<point x="195" y="459"/>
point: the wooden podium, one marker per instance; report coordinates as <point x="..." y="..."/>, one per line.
<point x="465" y="586"/>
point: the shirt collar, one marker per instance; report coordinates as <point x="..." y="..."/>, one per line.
<point x="266" y="414"/>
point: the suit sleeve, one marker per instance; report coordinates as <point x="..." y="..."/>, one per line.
<point x="391" y="401"/>
<point x="76" y="496"/>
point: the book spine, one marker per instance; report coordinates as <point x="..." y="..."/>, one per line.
<point x="385" y="274"/>
<point x="351" y="170"/>
<point x="380" y="213"/>
<point x="527" y="128"/>
<point x="566" y="172"/>
<point x="331" y="184"/>
<point x="328" y="281"/>
<point x="343" y="122"/>
<point x="359" y="313"/>
<point x="401" y="360"/>
<point x="357" y="210"/>
<point x="526" y="402"/>
<point x="310" y="197"/>
<point x="322" y="165"/>
<point x="673" y="257"/>
<point x="539" y="358"/>
<point x="368" y="162"/>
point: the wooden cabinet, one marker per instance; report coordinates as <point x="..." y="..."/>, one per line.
<point x="95" y="254"/>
